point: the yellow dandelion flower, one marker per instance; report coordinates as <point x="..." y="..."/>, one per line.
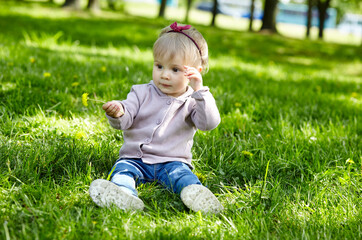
<point x="237" y="104"/>
<point x="268" y="135"/>
<point x="32" y="60"/>
<point x="349" y="161"/>
<point x="354" y="95"/>
<point x="247" y="154"/>
<point x="200" y="176"/>
<point x="103" y="69"/>
<point x="80" y="135"/>
<point x="10" y="64"/>
<point x="75" y="76"/>
<point x="75" y="84"/>
<point x="85" y="99"/>
<point x="46" y="74"/>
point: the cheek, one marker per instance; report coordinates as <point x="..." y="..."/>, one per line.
<point x="154" y="75"/>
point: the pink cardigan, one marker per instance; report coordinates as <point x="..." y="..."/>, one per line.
<point x="160" y="128"/>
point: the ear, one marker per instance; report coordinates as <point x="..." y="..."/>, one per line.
<point x="199" y="68"/>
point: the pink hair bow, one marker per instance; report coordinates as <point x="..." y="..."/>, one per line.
<point x="179" y="28"/>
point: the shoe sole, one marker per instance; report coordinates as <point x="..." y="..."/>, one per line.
<point x="106" y="194"/>
<point x="199" y="198"/>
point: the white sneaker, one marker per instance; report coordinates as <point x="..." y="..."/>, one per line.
<point x="105" y="194"/>
<point x="199" y="198"/>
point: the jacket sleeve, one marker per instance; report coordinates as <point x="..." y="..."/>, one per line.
<point x="205" y="114"/>
<point x="131" y="106"/>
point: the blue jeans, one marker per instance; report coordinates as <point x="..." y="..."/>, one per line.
<point x="128" y="173"/>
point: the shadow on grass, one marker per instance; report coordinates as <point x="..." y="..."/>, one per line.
<point x="142" y="32"/>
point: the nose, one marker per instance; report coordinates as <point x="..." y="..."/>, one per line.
<point x="165" y="75"/>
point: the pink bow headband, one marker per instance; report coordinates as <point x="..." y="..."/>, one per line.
<point x="179" y="29"/>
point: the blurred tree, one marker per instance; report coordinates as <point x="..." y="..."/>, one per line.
<point x="214" y="12"/>
<point x="322" y="6"/>
<point x="188" y="7"/>
<point x="344" y="6"/>
<point x="116" y="5"/>
<point x="93" y="5"/>
<point x="251" y="17"/>
<point x="269" y="17"/>
<point x="112" y="4"/>
<point x="162" y="9"/>
<point x="311" y="4"/>
<point x="75" y="4"/>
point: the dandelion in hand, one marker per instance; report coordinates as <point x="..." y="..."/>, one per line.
<point x="85" y="99"/>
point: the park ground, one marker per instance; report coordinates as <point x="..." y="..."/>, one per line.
<point x="285" y="161"/>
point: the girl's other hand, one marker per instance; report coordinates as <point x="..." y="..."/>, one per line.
<point x="113" y="109"/>
<point x="194" y="76"/>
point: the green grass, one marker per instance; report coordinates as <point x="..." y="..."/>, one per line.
<point x="291" y="105"/>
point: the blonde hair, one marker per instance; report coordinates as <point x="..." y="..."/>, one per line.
<point x="170" y="44"/>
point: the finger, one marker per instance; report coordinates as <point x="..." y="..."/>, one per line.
<point x="113" y="110"/>
<point x="194" y="76"/>
<point x="110" y="108"/>
<point x="189" y="73"/>
<point x="118" y="114"/>
<point x="106" y="105"/>
<point x="188" y="68"/>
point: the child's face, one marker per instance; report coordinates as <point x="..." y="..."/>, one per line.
<point x="169" y="76"/>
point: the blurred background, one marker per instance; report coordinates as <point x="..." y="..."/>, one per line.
<point x="338" y="21"/>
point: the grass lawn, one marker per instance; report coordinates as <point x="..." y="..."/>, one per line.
<point x="285" y="161"/>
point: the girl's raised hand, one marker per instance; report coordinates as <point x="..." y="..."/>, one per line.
<point x="194" y="75"/>
<point x="113" y="109"/>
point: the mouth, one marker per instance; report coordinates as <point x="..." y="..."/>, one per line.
<point x="165" y="85"/>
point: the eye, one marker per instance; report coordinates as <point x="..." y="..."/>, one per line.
<point x="175" y="70"/>
<point x="159" y="66"/>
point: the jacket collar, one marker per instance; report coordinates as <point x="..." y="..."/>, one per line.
<point x="183" y="97"/>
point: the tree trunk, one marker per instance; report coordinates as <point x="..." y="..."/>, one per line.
<point x="214" y="12"/>
<point x="309" y="17"/>
<point x="269" y="21"/>
<point x="322" y="13"/>
<point x="112" y="4"/>
<point x="251" y="17"/>
<point x="75" y="4"/>
<point x="188" y="7"/>
<point x="162" y="9"/>
<point x="93" y="5"/>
